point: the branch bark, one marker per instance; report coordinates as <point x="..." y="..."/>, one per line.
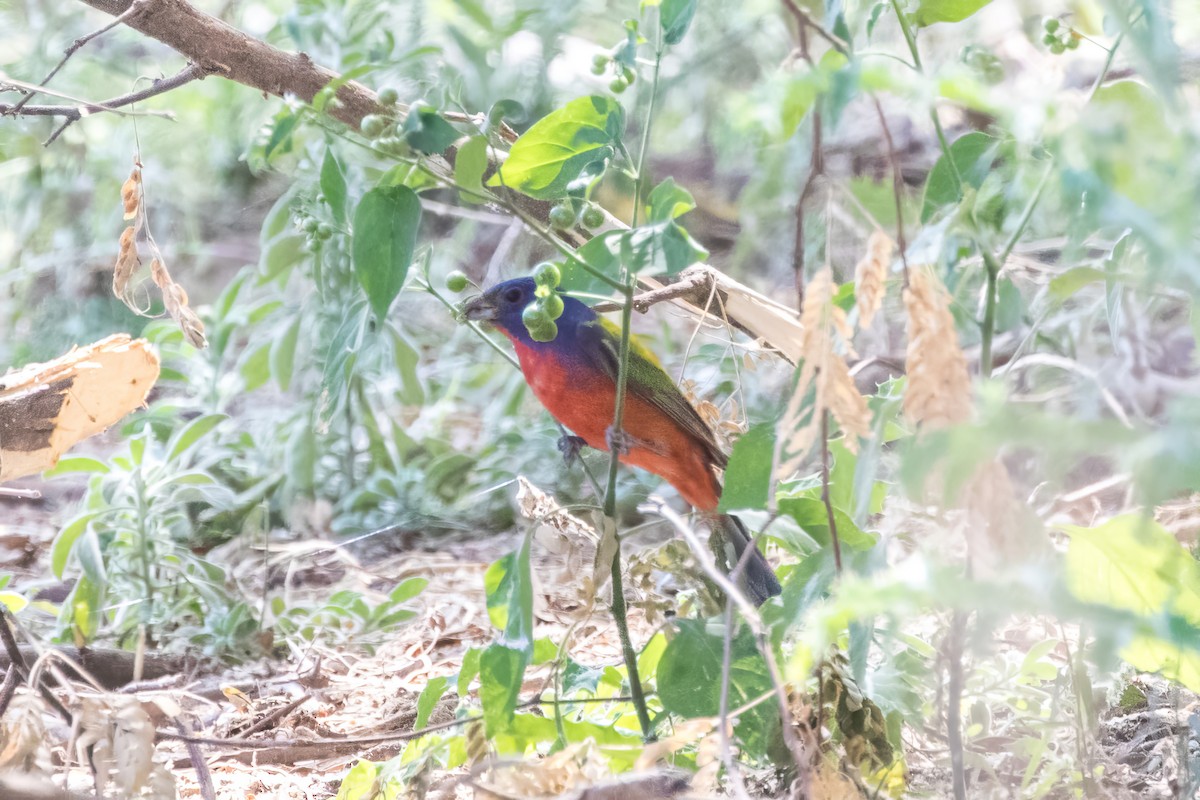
<point x="220" y="48"/>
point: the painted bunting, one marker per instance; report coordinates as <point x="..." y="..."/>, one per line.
<point x="575" y="377"/>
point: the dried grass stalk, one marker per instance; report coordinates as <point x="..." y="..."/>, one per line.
<point x="939" y="388"/>
<point x="825" y="374"/>
<point x="870" y="277"/>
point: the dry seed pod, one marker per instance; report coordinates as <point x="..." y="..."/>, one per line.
<point x="939" y="389"/>
<point x="127" y="262"/>
<point x="824" y="372"/>
<point x="131" y="192"/>
<point x="870" y="277"/>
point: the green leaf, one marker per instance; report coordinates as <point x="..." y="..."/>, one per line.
<point x="600" y="254"/>
<point x="281" y="134"/>
<point x="359" y="783"/>
<point x="941" y="187"/>
<point x="675" y="16"/>
<point x="72" y="464"/>
<point x="14" y="602"/>
<point x="427" y="131"/>
<point x="469" y="166"/>
<point x="255" y="366"/>
<point x="66" y="540"/>
<point x="385" y="233"/>
<point x="333" y="185"/>
<point x="283" y="354"/>
<point x="559" y="147"/>
<point x="1064" y="285"/>
<point x="689" y="681"/>
<point x="468" y="670"/>
<point x="193" y="432"/>
<point x="748" y="476"/>
<point x="501" y="673"/>
<point x="430" y="695"/>
<point x="668" y="201"/>
<point x="1134" y="564"/>
<point x="508" y="585"/>
<point x="811" y="515"/>
<point x="930" y="11"/>
<point x="408" y="589"/>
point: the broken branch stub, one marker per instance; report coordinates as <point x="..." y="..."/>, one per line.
<point x="45" y="409"/>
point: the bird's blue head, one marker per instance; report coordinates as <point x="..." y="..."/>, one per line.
<point x="503" y="304"/>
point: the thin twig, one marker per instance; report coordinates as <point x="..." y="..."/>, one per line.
<point x="897" y="185"/>
<point x="732" y="773"/>
<point x="17" y="662"/>
<point x="8" y="688"/>
<point x="274" y="716"/>
<point x="833" y="532"/>
<point x="805" y="19"/>
<point x="954" y="689"/>
<point x="203" y="776"/>
<point x="21" y="494"/>
<point x="75" y="113"/>
<point x="78" y="43"/>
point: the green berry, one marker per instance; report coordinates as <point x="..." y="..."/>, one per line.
<point x="1049" y="39"/>
<point x="1051" y="24"/>
<point x="593" y="217"/>
<point x="373" y="125"/>
<point x="628" y="74"/>
<point x="544" y="333"/>
<point x="1058" y="48"/>
<point x="324" y="232"/>
<point x="1073" y="43"/>
<point x="388" y="96"/>
<point x="552" y="305"/>
<point x="547" y="274"/>
<point x="562" y="216"/>
<point x="534" y="315"/>
<point x="618" y="85"/>
<point x="310" y="225"/>
<point x="457" y="281"/>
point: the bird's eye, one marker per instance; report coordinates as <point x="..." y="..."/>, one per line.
<point x="512" y="295"/>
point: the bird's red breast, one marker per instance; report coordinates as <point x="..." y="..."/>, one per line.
<point x="583" y="398"/>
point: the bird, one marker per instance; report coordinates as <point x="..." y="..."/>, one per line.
<point x="574" y="375"/>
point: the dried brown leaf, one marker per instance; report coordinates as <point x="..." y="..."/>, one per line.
<point x="23" y="733"/>
<point x="939" y="389"/>
<point x="870" y="277"/>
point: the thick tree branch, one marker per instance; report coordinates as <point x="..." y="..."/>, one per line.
<point x="221" y="48"/>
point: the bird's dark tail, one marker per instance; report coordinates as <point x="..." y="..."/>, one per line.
<point x="757" y="580"/>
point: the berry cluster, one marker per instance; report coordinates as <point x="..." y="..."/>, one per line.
<point x="387" y="133"/>
<point x="1058" y="37"/>
<point x="540" y="315"/>
<point x="567" y="214"/>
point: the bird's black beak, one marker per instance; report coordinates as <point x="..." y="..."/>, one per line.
<point x="480" y="309"/>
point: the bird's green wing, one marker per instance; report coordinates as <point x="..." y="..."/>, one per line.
<point x="649" y="381"/>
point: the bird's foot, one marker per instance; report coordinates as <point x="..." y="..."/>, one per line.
<point x="618" y="441"/>
<point x="570" y="446"/>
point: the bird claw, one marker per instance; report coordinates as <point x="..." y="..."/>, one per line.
<point x="618" y="441"/>
<point x="570" y="446"/>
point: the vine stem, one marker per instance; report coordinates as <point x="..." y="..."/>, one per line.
<point x="619" y="610"/>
